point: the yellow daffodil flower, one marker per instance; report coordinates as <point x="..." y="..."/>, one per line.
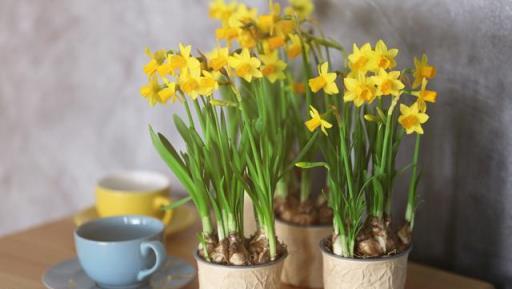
<point x="274" y="43"/>
<point x="385" y="58"/>
<point x="156" y="62"/>
<point x="317" y="121"/>
<point x="245" y="65"/>
<point x="359" y="90"/>
<point x="207" y="84"/>
<point x="267" y="22"/>
<point x="294" y="49"/>
<point x="362" y="59"/>
<point x="422" y="70"/>
<point x="243" y="16"/>
<point x="246" y="39"/>
<point x="424" y="96"/>
<point x="227" y="33"/>
<point x="168" y="92"/>
<point x="300" y="8"/>
<point x="221" y="11"/>
<point x="178" y="62"/>
<point x="150" y="91"/>
<point x="284" y="27"/>
<point x="273" y="67"/>
<point x="411" y="118"/>
<point x="388" y="83"/>
<point x="189" y="82"/>
<point x="325" y="80"/>
<point x="218" y="58"/>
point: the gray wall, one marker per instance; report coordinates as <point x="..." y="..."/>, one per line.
<point x="70" y="109"/>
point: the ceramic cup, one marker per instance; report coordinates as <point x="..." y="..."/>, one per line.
<point x="120" y="252"/>
<point x="133" y="193"/>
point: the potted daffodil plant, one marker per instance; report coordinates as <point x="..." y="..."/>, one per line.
<point x="236" y="98"/>
<point x="363" y="125"/>
<point x="288" y="45"/>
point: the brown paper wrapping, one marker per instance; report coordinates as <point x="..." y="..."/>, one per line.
<point x="215" y="276"/>
<point x="303" y="267"/>
<point x="380" y="273"/>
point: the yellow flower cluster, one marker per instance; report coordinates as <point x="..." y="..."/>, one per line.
<point x="267" y="32"/>
<point x="412" y="117"/>
<point x="371" y="77"/>
<point x="261" y="38"/>
<point x="171" y="74"/>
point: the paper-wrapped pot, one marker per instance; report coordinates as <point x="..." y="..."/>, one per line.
<point x="216" y="276"/>
<point x="373" y="273"/>
<point x="303" y="267"/>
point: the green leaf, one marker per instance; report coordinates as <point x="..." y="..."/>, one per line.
<point x="310" y="165"/>
<point x="178" y="203"/>
<point x="182" y="128"/>
<point x="171" y="157"/>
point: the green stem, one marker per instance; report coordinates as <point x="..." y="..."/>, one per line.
<point x="207" y="225"/>
<point x="411" y="198"/>
<point x="384" y="157"/>
<point x="272" y="240"/>
<point x="305" y="186"/>
<point x="346" y="158"/>
<point x="189" y="115"/>
<point x="282" y="187"/>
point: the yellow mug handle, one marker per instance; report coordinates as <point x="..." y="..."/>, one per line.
<point x="161" y="201"/>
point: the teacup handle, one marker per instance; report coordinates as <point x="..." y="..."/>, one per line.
<point x="160" y="254"/>
<point x="162" y="201"/>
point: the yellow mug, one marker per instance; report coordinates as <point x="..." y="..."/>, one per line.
<point x="134" y="193"/>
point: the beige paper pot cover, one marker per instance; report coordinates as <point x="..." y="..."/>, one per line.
<point x="378" y="273"/>
<point x="215" y="276"/>
<point x="303" y="267"/>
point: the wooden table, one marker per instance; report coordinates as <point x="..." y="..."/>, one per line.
<point x="26" y="255"/>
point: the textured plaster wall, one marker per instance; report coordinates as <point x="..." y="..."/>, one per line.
<point x="70" y="109"/>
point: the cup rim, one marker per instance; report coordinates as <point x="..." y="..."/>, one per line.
<point x="160" y="230"/>
<point x="162" y="182"/>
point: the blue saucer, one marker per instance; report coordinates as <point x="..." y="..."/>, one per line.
<point x="176" y="273"/>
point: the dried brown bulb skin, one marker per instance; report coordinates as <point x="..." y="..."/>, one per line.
<point x="405" y="235"/>
<point x="210" y="243"/>
<point x="380" y="232"/>
<point x="324" y="215"/>
<point x="286" y="215"/>
<point x="303" y="219"/>
<point x="310" y="212"/>
<point x="220" y="254"/>
<point x="239" y="251"/>
<point x="258" y="248"/>
<point x="392" y="244"/>
<point x="238" y="254"/>
<point x="369" y="248"/>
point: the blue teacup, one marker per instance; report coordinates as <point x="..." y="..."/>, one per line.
<point x="120" y="252"/>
